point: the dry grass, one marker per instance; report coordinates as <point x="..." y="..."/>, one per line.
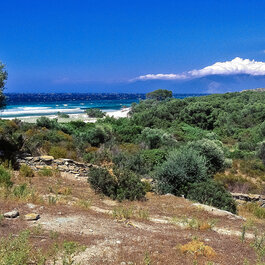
<point x="197" y="249"/>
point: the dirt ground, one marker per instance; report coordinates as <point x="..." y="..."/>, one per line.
<point x="148" y="232"/>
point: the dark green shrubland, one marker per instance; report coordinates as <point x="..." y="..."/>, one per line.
<point x="117" y="184"/>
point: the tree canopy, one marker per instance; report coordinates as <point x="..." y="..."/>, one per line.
<point x="159" y="94"/>
<point x="3" y="77"/>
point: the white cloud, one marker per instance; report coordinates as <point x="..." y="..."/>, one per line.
<point x="233" y="67"/>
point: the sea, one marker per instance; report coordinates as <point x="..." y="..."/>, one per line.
<point x="47" y="104"/>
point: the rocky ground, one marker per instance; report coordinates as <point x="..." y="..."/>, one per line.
<point x="146" y="232"/>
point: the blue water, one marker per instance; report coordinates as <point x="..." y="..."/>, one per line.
<point x="23" y="105"/>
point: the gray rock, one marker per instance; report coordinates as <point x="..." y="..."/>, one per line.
<point x="32" y="216"/>
<point x="12" y="214"/>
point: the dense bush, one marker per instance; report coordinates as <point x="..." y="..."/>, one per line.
<point x="183" y="167"/>
<point x="117" y="184"/>
<point x="5" y="178"/>
<point x="46" y="122"/>
<point x="213" y="194"/>
<point x="58" y="152"/>
<point x="155" y="138"/>
<point x="95" y="113"/>
<point x="214" y="154"/>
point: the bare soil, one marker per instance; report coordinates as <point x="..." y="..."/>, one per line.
<point x="80" y="215"/>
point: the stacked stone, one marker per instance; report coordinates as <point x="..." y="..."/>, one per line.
<point x="62" y="164"/>
<point x="241" y="197"/>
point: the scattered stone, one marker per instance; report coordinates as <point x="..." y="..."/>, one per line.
<point x="118" y="242"/>
<point x="31" y="205"/>
<point x="32" y="216"/>
<point x="12" y="214"/>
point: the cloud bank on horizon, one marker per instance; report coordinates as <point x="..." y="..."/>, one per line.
<point x="234" y="67"/>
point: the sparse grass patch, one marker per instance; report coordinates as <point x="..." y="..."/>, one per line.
<point x="52" y="200"/>
<point x="5" y="178"/>
<point x="1" y="219"/>
<point x="65" y="191"/>
<point x="21" y="191"/>
<point x="26" y="172"/>
<point x="70" y="250"/>
<point x="45" y="171"/>
<point x="255" y="209"/>
<point x="84" y="203"/>
<point x="194" y="223"/>
<point x="122" y="213"/>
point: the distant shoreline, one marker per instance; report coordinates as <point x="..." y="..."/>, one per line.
<point x="122" y="113"/>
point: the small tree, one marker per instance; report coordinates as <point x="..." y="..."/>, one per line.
<point x="159" y="94"/>
<point x="214" y="154"/>
<point x="3" y="78"/>
<point x="183" y="167"/>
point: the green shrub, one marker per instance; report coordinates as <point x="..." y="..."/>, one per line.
<point x="63" y="115"/>
<point x="120" y="185"/>
<point x="130" y="186"/>
<point x="46" y="122"/>
<point x="95" y="113"/>
<point x="155" y="138"/>
<point x="5" y="178"/>
<point x="102" y="181"/>
<point x="212" y="151"/>
<point x="58" y="152"/>
<point x="213" y="194"/>
<point x="26" y="171"/>
<point x="183" y="167"/>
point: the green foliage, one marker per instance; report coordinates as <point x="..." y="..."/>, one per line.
<point x="63" y="115"/>
<point x="200" y="114"/>
<point x="16" y="250"/>
<point x="213" y="152"/>
<point x="5" y="178"/>
<point x="155" y="138"/>
<point x="261" y="151"/>
<point x="47" y="172"/>
<point x="256" y="209"/>
<point x="118" y="185"/>
<point x="95" y="113"/>
<point x="213" y="194"/>
<point x="21" y="191"/>
<point x="182" y="168"/>
<point x="26" y="171"/>
<point x="159" y="94"/>
<point x="70" y="250"/>
<point x="3" y="78"/>
<point x="46" y="122"/>
<point x="58" y="152"/>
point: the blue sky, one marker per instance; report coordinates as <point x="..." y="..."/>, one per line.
<point x="104" y="46"/>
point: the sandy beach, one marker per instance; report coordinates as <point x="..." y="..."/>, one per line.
<point x="79" y="116"/>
